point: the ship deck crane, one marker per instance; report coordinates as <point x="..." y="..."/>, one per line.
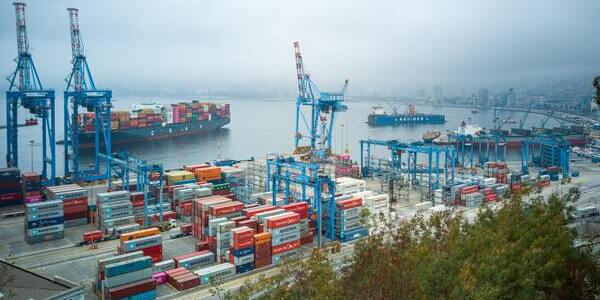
<point x="81" y="92"/>
<point x="27" y="90"/>
<point x="317" y="130"/>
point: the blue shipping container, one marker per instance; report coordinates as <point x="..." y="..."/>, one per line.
<point x="147" y="295"/>
<point x="128" y="266"/>
<point x="244" y="268"/>
<point x="243" y="251"/>
<point x="354" y="234"/>
<point x="45" y="222"/>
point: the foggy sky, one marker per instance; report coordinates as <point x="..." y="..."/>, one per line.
<point x="378" y="45"/>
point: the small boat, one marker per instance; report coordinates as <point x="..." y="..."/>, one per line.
<point x="430" y="136"/>
<point x="509" y="121"/>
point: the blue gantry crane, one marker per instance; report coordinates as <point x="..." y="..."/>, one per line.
<point x="81" y="92"/>
<point x="315" y="134"/>
<point x="122" y="165"/>
<point x="286" y="172"/>
<point x="27" y="90"/>
<point x="411" y="152"/>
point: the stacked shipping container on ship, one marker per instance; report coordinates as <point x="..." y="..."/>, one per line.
<point x="75" y="202"/>
<point x="149" y="241"/>
<point x="44" y="221"/>
<point x="114" y="210"/>
<point x="241" y="253"/>
<point x="156" y="121"/>
<point x="31" y="187"/>
<point x="127" y="276"/>
<point x="285" y="235"/>
<point x="10" y="189"/>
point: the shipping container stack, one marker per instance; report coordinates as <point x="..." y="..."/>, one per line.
<point x="470" y="196"/>
<point x="44" y="221"/>
<point x="348" y="224"/>
<point x="180" y="177"/>
<point x="102" y="263"/>
<point x="379" y="207"/>
<point x="31" y="187"/>
<point x="201" y="212"/>
<point x="241" y="253"/>
<point x="543" y="181"/>
<point x="236" y="177"/>
<point x="75" y="203"/>
<point x="307" y="233"/>
<point x="10" y="188"/>
<point x="182" y="279"/>
<point x="127" y="277"/>
<point x="114" y="209"/>
<point x="195" y="260"/>
<point x="149" y="241"/>
<point x="285" y="235"/>
<point x="262" y="250"/>
<point x="159" y="270"/>
<point x="215" y="273"/>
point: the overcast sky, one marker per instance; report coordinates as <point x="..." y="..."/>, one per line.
<point x="379" y="45"/>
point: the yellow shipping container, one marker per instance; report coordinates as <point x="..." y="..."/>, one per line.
<point x="179" y="175"/>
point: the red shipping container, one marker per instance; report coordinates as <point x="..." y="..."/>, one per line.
<point x="188" y="255"/>
<point x="92" y="235"/>
<point x="254" y="211"/>
<point x="226" y="209"/>
<point x="249" y="223"/>
<point x="131" y="288"/>
<point x="283" y="220"/>
<point x="285" y="247"/>
<point x="202" y="245"/>
<point x="186" y="228"/>
<point x="304" y="240"/>
<point x="242" y="237"/>
<point x="469" y="189"/>
<point x="10" y="197"/>
<point x="350" y="203"/>
<point x="300" y="208"/>
<point x="237" y="220"/>
<point x="153" y="251"/>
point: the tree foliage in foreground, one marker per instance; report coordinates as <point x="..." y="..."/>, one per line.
<point x="522" y="251"/>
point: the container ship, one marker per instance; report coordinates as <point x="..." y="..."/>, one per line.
<point x="379" y="117"/>
<point x="156" y="121"/>
<point x="575" y="134"/>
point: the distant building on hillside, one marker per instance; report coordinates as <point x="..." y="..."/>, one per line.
<point x="484" y="97"/>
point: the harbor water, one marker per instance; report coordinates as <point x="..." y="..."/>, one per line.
<point x="258" y="127"/>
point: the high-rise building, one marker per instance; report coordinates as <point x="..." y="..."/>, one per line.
<point x="438" y="94"/>
<point x="483" y="97"/>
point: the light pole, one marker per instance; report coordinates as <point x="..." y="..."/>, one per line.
<point x="31" y="143"/>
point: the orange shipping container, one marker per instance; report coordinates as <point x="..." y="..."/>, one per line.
<point x="210" y="173"/>
<point x="139" y="234"/>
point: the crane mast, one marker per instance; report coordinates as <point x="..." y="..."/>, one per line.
<point x="26" y="90"/>
<point x="319" y="120"/>
<point x="81" y="92"/>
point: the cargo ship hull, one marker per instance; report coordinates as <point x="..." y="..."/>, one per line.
<point x="515" y="142"/>
<point x="395" y="120"/>
<point x="142" y="134"/>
